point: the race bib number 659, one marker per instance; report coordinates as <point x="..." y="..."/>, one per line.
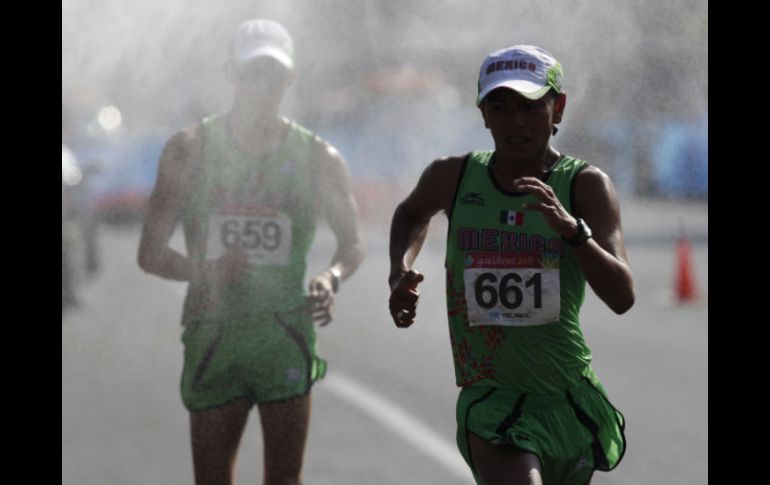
<point x="512" y="296"/>
<point x="265" y="239"/>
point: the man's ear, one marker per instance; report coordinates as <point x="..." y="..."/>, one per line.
<point x="482" y="107"/>
<point x="558" y="107"/>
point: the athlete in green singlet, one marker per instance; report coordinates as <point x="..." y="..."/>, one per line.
<point x="247" y="187"/>
<point x="528" y="226"/>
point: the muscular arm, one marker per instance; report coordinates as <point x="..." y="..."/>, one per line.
<point x="337" y="204"/>
<point x="339" y="208"/>
<point x="411" y="219"/>
<point x="603" y="258"/>
<point x="433" y="193"/>
<point x="163" y="211"/>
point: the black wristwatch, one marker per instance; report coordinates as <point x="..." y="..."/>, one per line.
<point x="584" y="233"/>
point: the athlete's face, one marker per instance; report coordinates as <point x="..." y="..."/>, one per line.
<point x="521" y="127"/>
<point x="261" y="83"/>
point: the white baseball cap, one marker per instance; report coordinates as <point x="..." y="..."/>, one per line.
<point x="262" y="37"/>
<point x="529" y="70"/>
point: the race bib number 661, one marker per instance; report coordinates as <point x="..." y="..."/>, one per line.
<point x="512" y="296"/>
<point x="266" y="239"/>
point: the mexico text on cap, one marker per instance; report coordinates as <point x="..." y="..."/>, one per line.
<point x="527" y="69"/>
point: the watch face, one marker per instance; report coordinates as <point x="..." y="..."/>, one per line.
<point x="585" y="231"/>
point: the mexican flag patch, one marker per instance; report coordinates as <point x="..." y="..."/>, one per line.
<point x="512" y="218"/>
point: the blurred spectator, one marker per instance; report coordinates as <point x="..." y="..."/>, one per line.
<point x="79" y="241"/>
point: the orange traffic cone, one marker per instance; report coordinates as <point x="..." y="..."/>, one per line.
<point x="685" y="280"/>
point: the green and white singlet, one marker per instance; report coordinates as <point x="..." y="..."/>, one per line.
<point x="265" y="207"/>
<point x="253" y="338"/>
<point x="514" y="289"/>
<point x="514" y="292"/>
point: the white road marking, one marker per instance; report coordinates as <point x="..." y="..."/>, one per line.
<point x="399" y="421"/>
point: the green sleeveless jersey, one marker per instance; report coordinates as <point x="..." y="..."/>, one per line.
<point x="264" y="206"/>
<point x="514" y="288"/>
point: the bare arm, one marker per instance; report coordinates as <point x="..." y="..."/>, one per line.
<point x="339" y="208"/>
<point x="341" y="212"/>
<point x="602" y="259"/>
<point x="163" y="211"/>
<point x="408" y="229"/>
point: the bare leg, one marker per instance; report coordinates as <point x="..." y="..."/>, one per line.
<point x="284" y="428"/>
<point x="504" y="464"/>
<point x="216" y="434"/>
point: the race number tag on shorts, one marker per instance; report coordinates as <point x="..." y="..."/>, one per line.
<point x="512" y="296"/>
<point x="266" y="239"/>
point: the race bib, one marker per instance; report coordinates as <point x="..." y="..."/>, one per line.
<point x="266" y="239"/>
<point x="518" y="296"/>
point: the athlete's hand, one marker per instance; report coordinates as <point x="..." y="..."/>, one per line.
<point x="322" y="299"/>
<point x="233" y="266"/>
<point x="403" y="298"/>
<point x="548" y="204"/>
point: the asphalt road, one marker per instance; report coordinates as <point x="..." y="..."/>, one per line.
<point x="385" y="414"/>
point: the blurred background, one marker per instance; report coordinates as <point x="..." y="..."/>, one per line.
<point x="392" y="85"/>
